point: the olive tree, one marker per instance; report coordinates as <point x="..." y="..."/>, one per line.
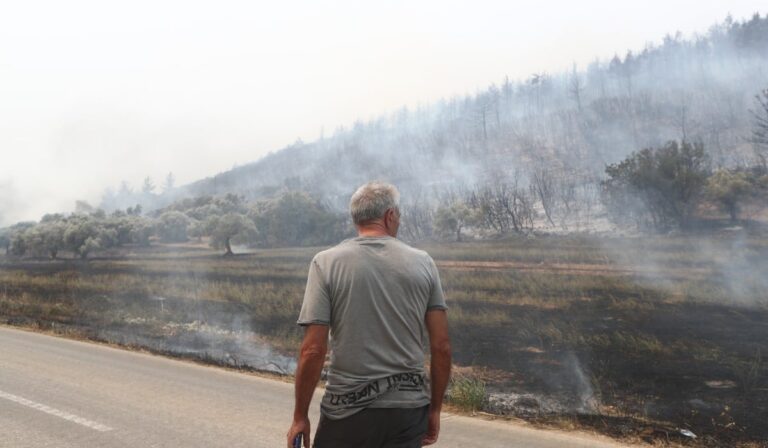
<point x="172" y="226"/>
<point x="50" y="237"/>
<point x="129" y="229"/>
<point x="231" y="228"/>
<point x="141" y="230"/>
<point x="296" y="219"/>
<point x="451" y="219"/>
<point x="82" y="235"/>
<point x="16" y="236"/>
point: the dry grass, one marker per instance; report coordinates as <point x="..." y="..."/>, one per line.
<point x="647" y="322"/>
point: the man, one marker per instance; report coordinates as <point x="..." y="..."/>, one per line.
<point x="378" y="298"/>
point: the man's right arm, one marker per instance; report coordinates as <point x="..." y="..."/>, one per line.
<point x="310" y="367"/>
<point x="440" y="368"/>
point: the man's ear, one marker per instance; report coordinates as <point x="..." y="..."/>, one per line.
<point x="389" y="216"/>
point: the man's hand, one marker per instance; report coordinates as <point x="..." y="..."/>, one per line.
<point x="300" y="426"/>
<point x="433" y="430"/>
<point x="311" y="359"/>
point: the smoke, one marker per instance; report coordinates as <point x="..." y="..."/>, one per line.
<point x="12" y="209"/>
<point x="569" y="122"/>
<point x="727" y="268"/>
<point x="568" y="390"/>
<point x="6" y="202"/>
<point x="186" y="322"/>
<point x="234" y="344"/>
<point x="231" y="343"/>
<point x="568" y="125"/>
<point x="582" y="385"/>
<point x="225" y="335"/>
<point x="740" y="267"/>
<point x="573" y="382"/>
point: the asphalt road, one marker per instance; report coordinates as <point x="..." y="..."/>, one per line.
<point x="61" y="393"/>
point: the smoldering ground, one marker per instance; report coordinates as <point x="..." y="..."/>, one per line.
<point x="120" y="302"/>
<point x="730" y="267"/>
<point x="214" y="342"/>
<point x="553" y="325"/>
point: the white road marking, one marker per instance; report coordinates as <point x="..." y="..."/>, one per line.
<point x="49" y="410"/>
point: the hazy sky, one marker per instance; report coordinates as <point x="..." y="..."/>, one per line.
<point x="94" y="92"/>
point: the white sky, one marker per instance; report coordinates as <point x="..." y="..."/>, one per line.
<point x="94" y="92"/>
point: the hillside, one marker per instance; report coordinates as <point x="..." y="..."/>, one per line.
<point x="698" y="89"/>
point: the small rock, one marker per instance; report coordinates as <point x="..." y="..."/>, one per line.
<point x="720" y="384"/>
<point x="687" y="433"/>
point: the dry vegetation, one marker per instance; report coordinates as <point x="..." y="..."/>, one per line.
<point x="634" y="337"/>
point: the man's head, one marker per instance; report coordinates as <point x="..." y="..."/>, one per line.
<point x="375" y="209"/>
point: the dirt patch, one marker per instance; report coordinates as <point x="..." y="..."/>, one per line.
<point x="572" y="268"/>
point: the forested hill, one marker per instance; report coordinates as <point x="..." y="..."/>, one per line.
<point x="568" y="125"/>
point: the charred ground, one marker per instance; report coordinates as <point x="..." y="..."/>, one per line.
<point x="637" y="338"/>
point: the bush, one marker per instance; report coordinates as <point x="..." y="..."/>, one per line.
<point x="728" y="189"/>
<point x="172" y="226"/>
<point x="657" y="187"/>
<point x="296" y="219"/>
<point x="467" y="393"/>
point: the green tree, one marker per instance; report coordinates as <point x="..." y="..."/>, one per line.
<point x="657" y="187"/>
<point x="122" y="225"/>
<point x="172" y="226"/>
<point x="51" y="237"/>
<point x="81" y="235"/>
<point x="451" y="219"/>
<point x="17" y="241"/>
<point x="18" y="244"/>
<point x="232" y="227"/>
<point x="198" y="229"/>
<point x="203" y="207"/>
<point x="729" y="189"/>
<point x="51" y="217"/>
<point x="141" y="230"/>
<point x="295" y="219"/>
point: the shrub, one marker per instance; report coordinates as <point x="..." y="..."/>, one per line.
<point x="657" y="187"/>
<point x="467" y="393"/>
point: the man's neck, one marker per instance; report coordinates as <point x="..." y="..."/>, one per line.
<point x="371" y="233"/>
<point x="374" y="229"/>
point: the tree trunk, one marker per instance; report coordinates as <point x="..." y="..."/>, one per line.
<point x="228" y="248"/>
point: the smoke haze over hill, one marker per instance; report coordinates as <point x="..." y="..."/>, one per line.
<point x="96" y="94"/>
<point x="566" y="126"/>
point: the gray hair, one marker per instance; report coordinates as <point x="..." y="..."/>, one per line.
<point x="372" y="200"/>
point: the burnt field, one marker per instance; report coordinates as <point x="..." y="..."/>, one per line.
<point x="637" y="338"/>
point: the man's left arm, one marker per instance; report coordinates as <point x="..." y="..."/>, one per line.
<point x="310" y="366"/>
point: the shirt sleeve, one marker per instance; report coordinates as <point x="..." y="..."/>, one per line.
<point x="316" y="308"/>
<point x="436" y="297"/>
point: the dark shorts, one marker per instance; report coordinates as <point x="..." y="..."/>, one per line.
<point x="374" y="428"/>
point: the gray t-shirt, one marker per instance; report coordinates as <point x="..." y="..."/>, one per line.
<point x="374" y="293"/>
